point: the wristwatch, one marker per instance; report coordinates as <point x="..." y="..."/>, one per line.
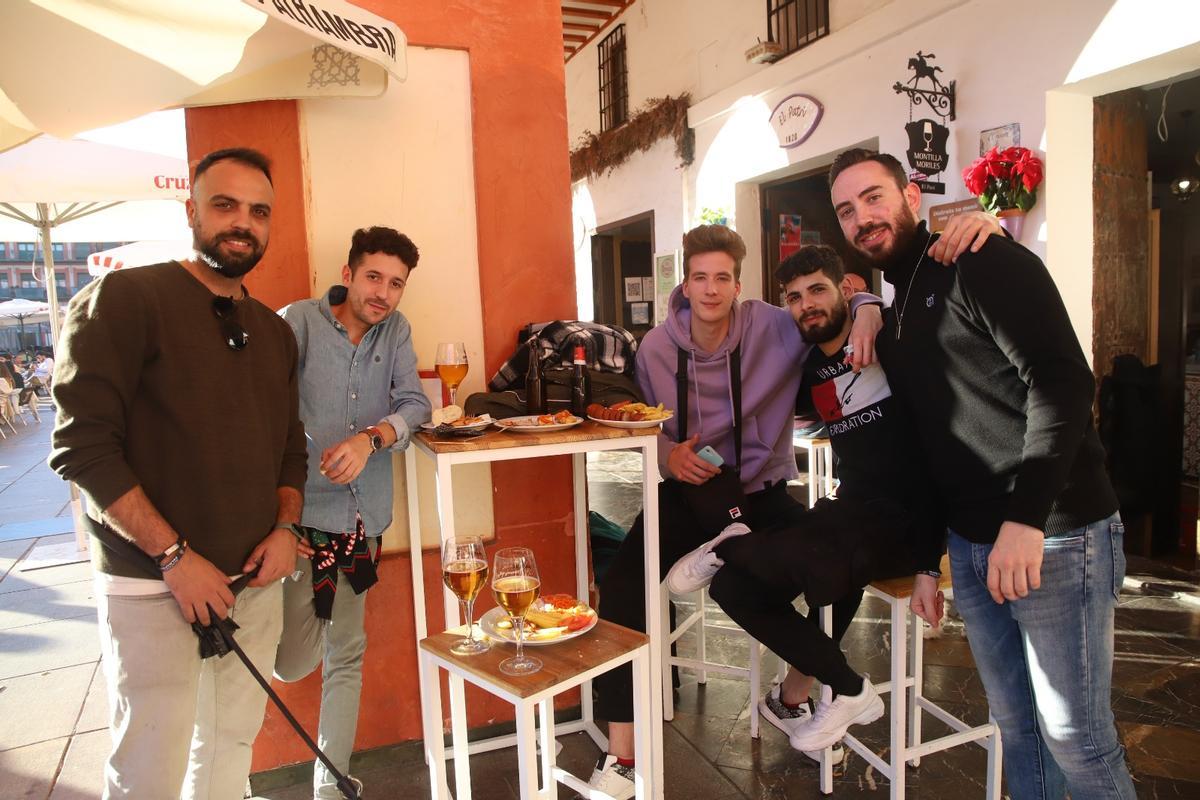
<point x="375" y="435"/>
<point x="291" y="528"/>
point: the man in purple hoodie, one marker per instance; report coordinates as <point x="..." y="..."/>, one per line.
<point x="720" y="337"/>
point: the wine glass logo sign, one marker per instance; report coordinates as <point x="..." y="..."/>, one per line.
<point x="927" y="137"/>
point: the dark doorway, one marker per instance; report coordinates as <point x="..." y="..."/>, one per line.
<point x="796" y="212"/>
<point x="622" y="256"/>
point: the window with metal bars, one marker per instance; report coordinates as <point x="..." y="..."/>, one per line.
<point x="614" y="80"/>
<point x="797" y="23"/>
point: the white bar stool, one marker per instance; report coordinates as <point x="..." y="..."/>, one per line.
<point x="906" y="701"/>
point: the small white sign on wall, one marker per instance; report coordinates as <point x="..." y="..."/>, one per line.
<point x="795" y="118"/>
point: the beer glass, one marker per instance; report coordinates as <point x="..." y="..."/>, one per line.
<point x="465" y="572"/>
<point x="516" y="584"/>
<point x="451" y="363"/>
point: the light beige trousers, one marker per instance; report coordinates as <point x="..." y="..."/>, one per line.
<point x="182" y="727"/>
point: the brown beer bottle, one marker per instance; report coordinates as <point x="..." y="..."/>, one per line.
<point x="535" y="383"/>
<point x="581" y="384"/>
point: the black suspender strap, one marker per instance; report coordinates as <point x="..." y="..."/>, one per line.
<point x="735" y="387"/>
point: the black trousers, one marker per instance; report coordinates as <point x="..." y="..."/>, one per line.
<point x="622" y="591"/>
<point x="828" y="554"/>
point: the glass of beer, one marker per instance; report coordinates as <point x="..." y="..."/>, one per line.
<point x="465" y="572"/>
<point x="451" y="363"/>
<point x="516" y="584"/>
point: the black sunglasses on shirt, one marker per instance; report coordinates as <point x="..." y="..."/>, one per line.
<point x="234" y="334"/>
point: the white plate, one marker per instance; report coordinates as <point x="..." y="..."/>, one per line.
<point x="641" y="423"/>
<point x="484" y="421"/>
<point x="530" y="425"/>
<point x="488" y="624"/>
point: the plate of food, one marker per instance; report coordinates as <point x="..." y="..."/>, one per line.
<point x="629" y="415"/>
<point x="537" y="423"/>
<point x="551" y="619"/>
<point x="452" y="419"/>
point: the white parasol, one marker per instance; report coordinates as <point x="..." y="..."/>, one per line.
<point x="71" y="65"/>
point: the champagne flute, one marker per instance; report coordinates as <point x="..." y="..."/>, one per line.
<point x="516" y="584"/>
<point x="465" y="571"/>
<point x="451" y="364"/>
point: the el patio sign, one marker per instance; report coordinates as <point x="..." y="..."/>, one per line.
<point x="795" y="118"/>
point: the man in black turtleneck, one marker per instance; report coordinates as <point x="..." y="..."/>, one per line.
<point x="985" y="356"/>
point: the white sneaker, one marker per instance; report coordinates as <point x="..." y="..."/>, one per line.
<point x="830" y="721"/>
<point x="615" y="780"/>
<point x="772" y="709"/>
<point x="696" y="570"/>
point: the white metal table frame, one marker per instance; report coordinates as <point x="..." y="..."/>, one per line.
<point x="444" y="462"/>
<point x="820" y="466"/>
<point x="527" y="733"/>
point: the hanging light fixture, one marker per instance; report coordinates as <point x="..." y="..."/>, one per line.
<point x="1185" y="185"/>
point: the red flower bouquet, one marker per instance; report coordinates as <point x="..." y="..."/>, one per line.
<point x="1005" y="179"/>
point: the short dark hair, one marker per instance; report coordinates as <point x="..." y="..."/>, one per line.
<point x="808" y="260"/>
<point x="857" y="155"/>
<point x="714" y="239"/>
<point x="378" y="239"/>
<point x="243" y="155"/>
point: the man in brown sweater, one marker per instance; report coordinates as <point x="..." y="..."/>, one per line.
<point x="178" y="418"/>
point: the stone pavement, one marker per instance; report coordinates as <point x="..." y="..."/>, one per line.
<point x="54" y="735"/>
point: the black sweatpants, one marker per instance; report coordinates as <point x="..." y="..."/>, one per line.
<point x="622" y="592"/>
<point x="828" y="555"/>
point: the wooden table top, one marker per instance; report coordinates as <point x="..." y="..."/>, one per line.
<point x="560" y="662"/>
<point x="497" y="439"/>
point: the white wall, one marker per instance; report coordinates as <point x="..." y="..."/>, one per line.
<point x="1087" y="46"/>
<point x="360" y="174"/>
<point x="676" y="46"/>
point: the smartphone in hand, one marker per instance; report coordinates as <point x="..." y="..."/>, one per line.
<point x="710" y="455"/>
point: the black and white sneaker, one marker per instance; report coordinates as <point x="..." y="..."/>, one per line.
<point x="772" y="709"/>
<point x="615" y="780"/>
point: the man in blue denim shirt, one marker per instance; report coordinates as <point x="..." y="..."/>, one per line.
<point x="360" y="399"/>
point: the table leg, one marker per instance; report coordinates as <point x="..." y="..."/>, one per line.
<point x="526" y="750"/>
<point x="431" y="722"/>
<point x="458" y="727"/>
<point x="582" y="548"/>
<point x="546" y="741"/>
<point x="445" y="502"/>
<point x="826" y="781"/>
<point x="415" y="560"/>
<point x="916" y="654"/>
<point x="899" y="697"/>
<point x="643" y="717"/>
<point x="654" y="609"/>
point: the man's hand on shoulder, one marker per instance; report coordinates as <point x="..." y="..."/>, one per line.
<point x="688" y="467"/>
<point x="868" y="322"/>
<point x="275" y="557"/>
<point x="1015" y="565"/>
<point x="198" y="585"/>
<point x="968" y="230"/>
<point x="927" y="601"/>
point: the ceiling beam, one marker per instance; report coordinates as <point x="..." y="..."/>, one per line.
<point x="616" y="3"/>
<point x="586" y="12"/>
<point x="579" y="26"/>
<point x="575" y="37"/>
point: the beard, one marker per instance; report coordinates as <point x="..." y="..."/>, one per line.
<point x="904" y="229"/>
<point x="822" y="332"/>
<point x="230" y="266"/>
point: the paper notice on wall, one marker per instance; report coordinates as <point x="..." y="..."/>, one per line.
<point x="666" y="278"/>
<point x="789" y="235"/>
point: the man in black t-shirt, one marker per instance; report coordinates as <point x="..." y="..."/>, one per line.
<point x="881" y="525"/>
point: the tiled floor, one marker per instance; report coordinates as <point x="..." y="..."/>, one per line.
<point x="709" y="753"/>
<point x="52" y="707"/>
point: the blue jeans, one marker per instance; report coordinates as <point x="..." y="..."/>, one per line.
<point x="1046" y="663"/>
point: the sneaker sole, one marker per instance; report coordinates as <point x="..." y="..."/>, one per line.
<point x="865" y="717"/>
